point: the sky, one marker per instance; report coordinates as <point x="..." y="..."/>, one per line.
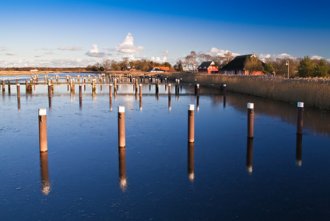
<point x="67" y="33"/>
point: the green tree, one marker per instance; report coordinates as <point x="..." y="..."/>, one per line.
<point x="253" y="64"/>
<point x="306" y="67"/>
<point x="321" y="68"/>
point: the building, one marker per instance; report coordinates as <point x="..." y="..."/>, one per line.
<point x="244" y="65"/>
<point x="209" y="67"/>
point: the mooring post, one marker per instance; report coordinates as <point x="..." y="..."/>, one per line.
<point x="140" y="103"/>
<point x="191" y="170"/>
<point x="250" y="113"/>
<point x="300" y="117"/>
<point x="110" y="90"/>
<point x="3" y="86"/>
<point x="169" y="89"/>
<point x="197" y="89"/>
<point x="43" y="130"/>
<point x="121" y="127"/>
<point x="191" y="124"/>
<point x="49" y="89"/>
<point x="197" y="102"/>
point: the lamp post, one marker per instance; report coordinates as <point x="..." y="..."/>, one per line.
<point x="287" y="64"/>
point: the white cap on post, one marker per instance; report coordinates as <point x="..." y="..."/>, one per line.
<point x="197" y="85"/>
<point x="42" y="112"/>
<point x="250" y="106"/>
<point x="191" y="107"/>
<point x="300" y="104"/>
<point x="169" y="85"/>
<point x="121" y="109"/>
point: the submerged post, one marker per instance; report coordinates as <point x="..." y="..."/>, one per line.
<point x="250" y="113"/>
<point x="140" y="90"/>
<point x="300" y="120"/>
<point x="191" y="171"/>
<point x="121" y="127"/>
<point x="249" y="155"/>
<point x="42" y="130"/>
<point x="191" y="124"/>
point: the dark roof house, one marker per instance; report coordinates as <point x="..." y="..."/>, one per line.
<point x="208" y="66"/>
<point x="244" y="65"/>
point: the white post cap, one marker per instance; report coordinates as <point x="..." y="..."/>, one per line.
<point x="111" y="85"/>
<point x="191" y="107"/>
<point x="300" y="104"/>
<point x="18" y="84"/>
<point x="169" y="85"/>
<point x="250" y="106"/>
<point x="121" y="109"/>
<point x="224" y="85"/>
<point x="42" y="112"/>
<point x="197" y="85"/>
<point x="140" y="85"/>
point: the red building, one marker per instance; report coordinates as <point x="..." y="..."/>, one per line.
<point x="209" y="67"/>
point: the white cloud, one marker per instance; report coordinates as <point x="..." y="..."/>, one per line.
<point x="160" y="59"/>
<point x="127" y="46"/>
<point x="95" y="52"/>
<point x="2" y="49"/>
<point x="221" y="52"/>
<point x="71" y="48"/>
<point x="317" y="57"/>
<point x="10" y="54"/>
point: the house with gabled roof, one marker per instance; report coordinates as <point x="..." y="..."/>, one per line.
<point x="209" y="67"/>
<point x="244" y="65"/>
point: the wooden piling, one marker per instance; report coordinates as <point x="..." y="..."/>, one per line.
<point x="197" y="89"/>
<point x="299" y="150"/>
<point x="300" y="119"/>
<point x="121" y="127"/>
<point x="250" y="121"/>
<point x="191" y="124"/>
<point x="43" y="130"/>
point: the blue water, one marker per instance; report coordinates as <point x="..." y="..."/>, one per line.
<point x="159" y="176"/>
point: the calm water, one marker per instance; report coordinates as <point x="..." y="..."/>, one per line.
<point x="223" y="176"/>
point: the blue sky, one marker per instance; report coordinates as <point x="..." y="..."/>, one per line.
<point x="76" y="33"/>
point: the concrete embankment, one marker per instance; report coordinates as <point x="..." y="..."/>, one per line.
<point x="313" y="92"/>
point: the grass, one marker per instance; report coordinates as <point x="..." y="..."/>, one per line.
<point x="313" y="92"/>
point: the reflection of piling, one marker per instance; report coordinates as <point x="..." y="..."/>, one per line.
<point x="43" y="130"/>
<point x="191" y="124"/>
<point x="9" y="89"/>
<point x="45" y="183"/>
<point x="169" y="102"/>
<point x="157" y="88"/>
<point x="169" y="89"/>
<point x="250" y="121"/>
<point x="140" y="90"/>
<point x="249" y="155"/>
<point x="18" y="87"/>
<point x="3" y="87"/>
<point x="140" y="103"/>
<point x="197" y="89"/>
<point x="110" y="90"/>
<point x="300" y="119"/>
<point x="224" y="101"/>
<point x="191" y="170"/>
<point x="94" y="86"/>
<point x="80" y="96"/>
<point x="122" y="169"/>
<point x="121" y="127"/>
<point x="197" y="103"/>
<point x="299" y="150"/>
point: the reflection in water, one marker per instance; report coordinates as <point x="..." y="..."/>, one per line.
<point x="224" y="101"/>
<point x="80" y="103"/>
<point x="110" y="101"/>
<point x="299" y="150"/>
<point x="140" y="103"/>
<point x="191" y="170"/>
<point x="314" y="120"/>
<point x="19" y="103"/>
<point x="45" y="183"/>
<point x="197" y="103"/>
<point x="122" y="168"/>
<point x="249" y="155"/>
<point x="50" y="102"/>
<point x="169" y="102"/>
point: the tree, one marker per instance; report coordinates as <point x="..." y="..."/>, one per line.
<point x="306" y="67"/>
<point x="321" y="68"/>
<point x="253" y="64"/>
